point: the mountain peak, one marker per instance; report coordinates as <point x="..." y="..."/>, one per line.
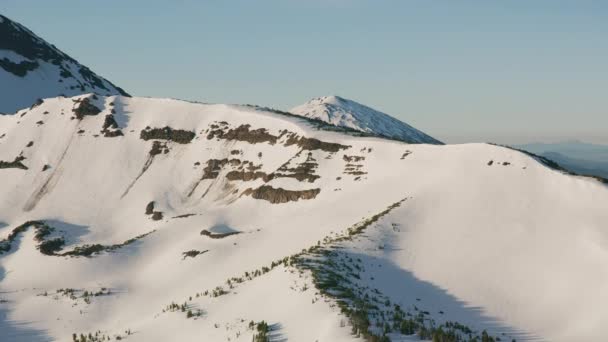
<point x="31" y="68"/>
<point x="343" y="112"/>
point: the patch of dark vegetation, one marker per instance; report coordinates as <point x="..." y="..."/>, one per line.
<point x="183" y="216"/>
<point x="94" y="249"/>
<point x="84" y="107"/>
<point x="312" y="144"/>
<point x="235" y="152"/>
<point x="39" y="122"/>
<point x="42" y="231"/>
<point x="354" y="159"/>
<point x="193" y="253"/>
<point x="167" y="133"/>
<point x="262" y="331"/>
<point x="98" y="336"/>
<point x="30" y="144"/>
<point x="209" y="234"/>
<point x="371" y="314"/>
<point x="110" y="127"/>
<point x="280" y="195"/>
<point x="50" y="247"/>
<point x="15" y="164"/>
<point x="46" y="167"/>
<point x="53" y="246"/>
<point x="157" y="216"/>
<point x="490" y="163"/>
<point x="405" y="154"/>
<point x="242" y="133"/>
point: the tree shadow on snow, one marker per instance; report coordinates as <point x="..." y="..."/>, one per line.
<point x="18" y="331"/>
<point x="275" y="334"/>
<point x="121" y="116"/>
<point x="408" y="291"/>
<point x="72" y="233"/>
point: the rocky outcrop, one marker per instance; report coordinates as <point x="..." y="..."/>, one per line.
<point x="84" y="108"/>
<point x="242" y="133"/>
<point x="304" y="171"/>
<point x="110" y="127"/>
<point x="280" y="195"/>
<point x="312" y="144"/>
<point x="167" y="133"/>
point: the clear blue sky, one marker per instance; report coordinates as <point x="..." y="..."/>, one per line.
<point x="504" y="71"/>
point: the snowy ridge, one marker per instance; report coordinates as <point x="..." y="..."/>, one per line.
<point x="158" y="219"/>
<point x="347" y="113"/>
<point x="31" y="69"/>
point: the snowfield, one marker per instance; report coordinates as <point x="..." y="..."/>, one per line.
<point x="158" y="219"/>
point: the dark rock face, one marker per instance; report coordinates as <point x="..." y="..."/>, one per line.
<point x="243" y="133"/>
<point x="85" y="107"/>
<point x="280" y="195"/>
<point x="167" y="133"/>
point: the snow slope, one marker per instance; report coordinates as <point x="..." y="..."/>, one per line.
<point x="188" y="205"/>
<point x="347" y="113"/>
<point x="31" y="68"/>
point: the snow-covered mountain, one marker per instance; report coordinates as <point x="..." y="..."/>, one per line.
<point x="161" y="220"/>
<point x="32" y="69"/>
<point x="347" y="113"/>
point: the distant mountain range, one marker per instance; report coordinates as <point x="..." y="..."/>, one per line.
<point x="576" y="156"/>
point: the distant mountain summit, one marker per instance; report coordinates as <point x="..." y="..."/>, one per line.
<point x="347" y="113"/>
<point x="31" y="68"/>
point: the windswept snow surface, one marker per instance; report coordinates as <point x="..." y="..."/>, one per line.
<point x="514" y="247"/>
<point x="348" y="113"/>
<point x="31" y="69"/>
